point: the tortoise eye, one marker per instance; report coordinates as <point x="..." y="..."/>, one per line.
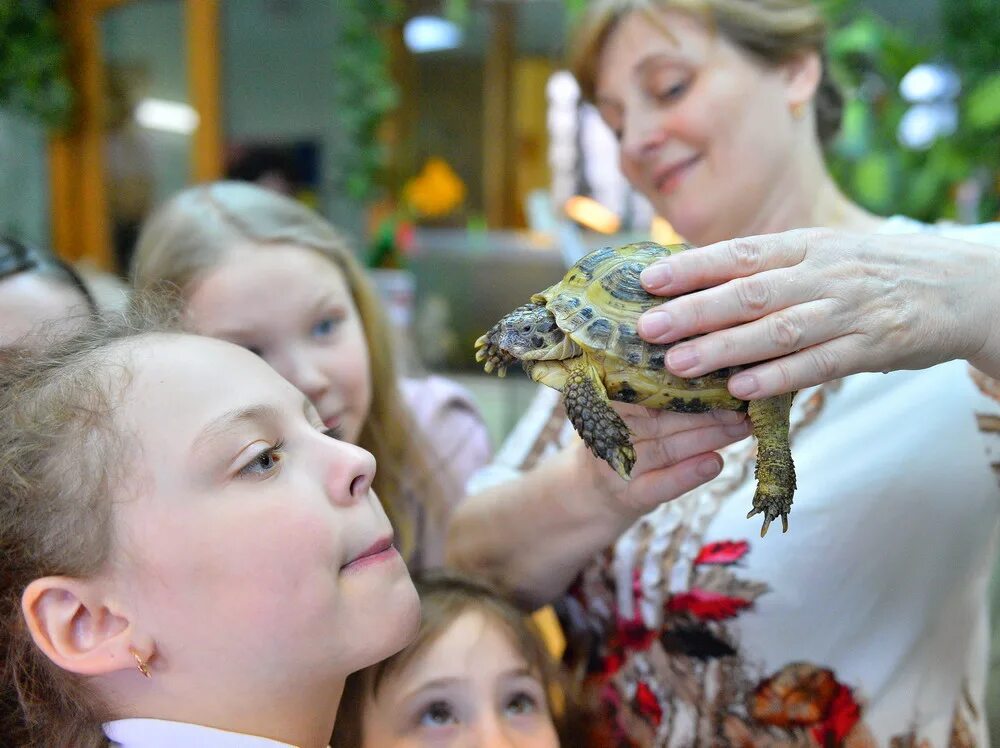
<point x="526" y="328"/>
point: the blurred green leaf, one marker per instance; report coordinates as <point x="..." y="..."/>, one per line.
<point x="982" y="105"/>
<point x="33" y="78"/>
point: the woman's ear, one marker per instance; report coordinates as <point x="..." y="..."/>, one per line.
<point x="803" y="73"/>
<point x="76" y="627"/>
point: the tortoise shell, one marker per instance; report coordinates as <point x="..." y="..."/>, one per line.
<point x="597" y="304"/>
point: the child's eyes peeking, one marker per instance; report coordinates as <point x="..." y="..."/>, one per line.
<point x="437" y="714"/>
<point x="325" y="327"/>
<point x="521" y="703"/>
<point x="265" y="463"/>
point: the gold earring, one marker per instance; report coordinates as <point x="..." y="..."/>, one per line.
<point x="798" y="109"/>
<point x="140" y="663"/>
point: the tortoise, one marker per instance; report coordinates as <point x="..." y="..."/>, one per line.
<point x="579" y="336"/>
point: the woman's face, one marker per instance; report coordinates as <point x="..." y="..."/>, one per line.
<point x="471" y="686"/>
<point x="705" y="132"/>
<point x="31" y="303"/>
<point x="252" y="545"/>
<point x="292" y="307"/>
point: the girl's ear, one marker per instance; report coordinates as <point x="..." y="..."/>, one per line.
<point x="803" y="73"/>
<point x="76" y="627"/>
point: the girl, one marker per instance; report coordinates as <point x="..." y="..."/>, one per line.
<point x="199" y="575"/>
<point x="265" y="272"/>
<point x="476" y="674"/>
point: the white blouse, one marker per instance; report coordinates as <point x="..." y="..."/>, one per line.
<point x="161" y="733"/>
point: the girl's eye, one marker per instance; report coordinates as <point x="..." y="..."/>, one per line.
<point x="521" y="703"/>
<point x="672" y="92"/>
<point x="255" y="350"/>
<point x="324" y="327"/>
<point x="438" y="714"/>
<point x="334" y="433"/>
<point x="264" y="463"/>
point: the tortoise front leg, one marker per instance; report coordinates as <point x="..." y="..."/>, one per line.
<point x="601" y="428"/>
<point x="775" y="471"/>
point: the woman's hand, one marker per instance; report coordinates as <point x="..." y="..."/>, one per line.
<point x="817" y="305"/>
<point x="675" y="453"/>
<point x="531" y="535"/>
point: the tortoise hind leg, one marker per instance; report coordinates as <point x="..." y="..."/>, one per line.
<point x="595" y="420"/>
<point x="775" y="472"/>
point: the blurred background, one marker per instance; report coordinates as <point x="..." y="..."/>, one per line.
<point x="443" y="136"/>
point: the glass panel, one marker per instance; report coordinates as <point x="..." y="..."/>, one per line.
<point x="149" y="117"/>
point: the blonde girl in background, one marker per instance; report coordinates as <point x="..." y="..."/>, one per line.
<point x="126" y="616"/>
<point x="265" y="272"/>
<point x="477" y="673"/>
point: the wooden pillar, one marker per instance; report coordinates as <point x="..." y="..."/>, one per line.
<point x="202" y="30"/>
<point x="79" y="201"/>
<point x="498" y="119"/>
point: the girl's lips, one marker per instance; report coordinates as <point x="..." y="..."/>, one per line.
<point x="379" y="551"/>
<point x="333" y="421"/>
<point x="670" y="179"/>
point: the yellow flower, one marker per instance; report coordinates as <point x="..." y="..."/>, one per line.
<point x="436" y="191"/>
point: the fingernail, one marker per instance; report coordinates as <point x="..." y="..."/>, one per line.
<point x="653" y="324"/>
<point x="743" y="385"/>
<point x="681" y="358"/>
<point x="655" y="276"/>
<point x="708" y="468"/>
<point x="738" y="429"/>
<point x="729" y="416"/>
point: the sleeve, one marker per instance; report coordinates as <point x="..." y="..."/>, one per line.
<point x="447" y="415"/>
<point x="542" y="430"/>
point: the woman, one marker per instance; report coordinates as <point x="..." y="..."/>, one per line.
<point x="866" y="624"/>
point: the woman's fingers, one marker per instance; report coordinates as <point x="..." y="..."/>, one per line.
<point x="820" y="363"/>
<point x="658" y="424"/>
<point x="646" y="491"/>
<point x="652" y="454"/>
<point x="739" y="300"/>
<point x="723" y="261"/>
<point x="783" y="332"/>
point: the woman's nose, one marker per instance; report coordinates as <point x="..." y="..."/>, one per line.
<point x="640" y="133"/>
<point x="351" y="471"/>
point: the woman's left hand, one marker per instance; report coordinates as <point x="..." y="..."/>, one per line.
<point x="817" y="305"/>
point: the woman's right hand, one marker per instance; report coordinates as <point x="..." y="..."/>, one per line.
<point x="675" y="452"/>
<point x="532" y="534"/>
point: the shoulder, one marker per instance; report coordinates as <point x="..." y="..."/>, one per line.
<point x="429" y="397"/>
<point x="982" y="233"/>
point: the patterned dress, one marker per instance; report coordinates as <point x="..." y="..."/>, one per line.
<point x="865" y="625"/>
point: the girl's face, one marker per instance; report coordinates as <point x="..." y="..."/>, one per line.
<point x="470" y="687"/>
<point x="29" y="300"/>
<point x="292" y="307"/>
<point x="705" y="132"/>
<point x="252" y="546"/>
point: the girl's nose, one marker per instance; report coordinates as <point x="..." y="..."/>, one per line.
<point x="303" y="370"/>
<point x="351" y="471"/>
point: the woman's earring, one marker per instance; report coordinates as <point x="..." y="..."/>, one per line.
<point x="798" y="109"/>
<point x="140" y="663"/>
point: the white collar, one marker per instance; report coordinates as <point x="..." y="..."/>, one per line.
<point x="161" y="733"/>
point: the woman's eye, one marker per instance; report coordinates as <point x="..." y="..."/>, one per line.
<point x="264" y="463"/>
<point x="437" y="714"/>
<point x="521" y="703"/>
<point x="335" y="432"/>
<point x="324" y="327"/>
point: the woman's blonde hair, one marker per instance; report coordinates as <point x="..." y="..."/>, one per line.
<point x="771" y="31"/>
<point x="444" y="596"/>
<point x="195" y="230"/>
<point x="56" y="506"/>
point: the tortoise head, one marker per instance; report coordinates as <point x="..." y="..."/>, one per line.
<point x="528" y="333"/>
